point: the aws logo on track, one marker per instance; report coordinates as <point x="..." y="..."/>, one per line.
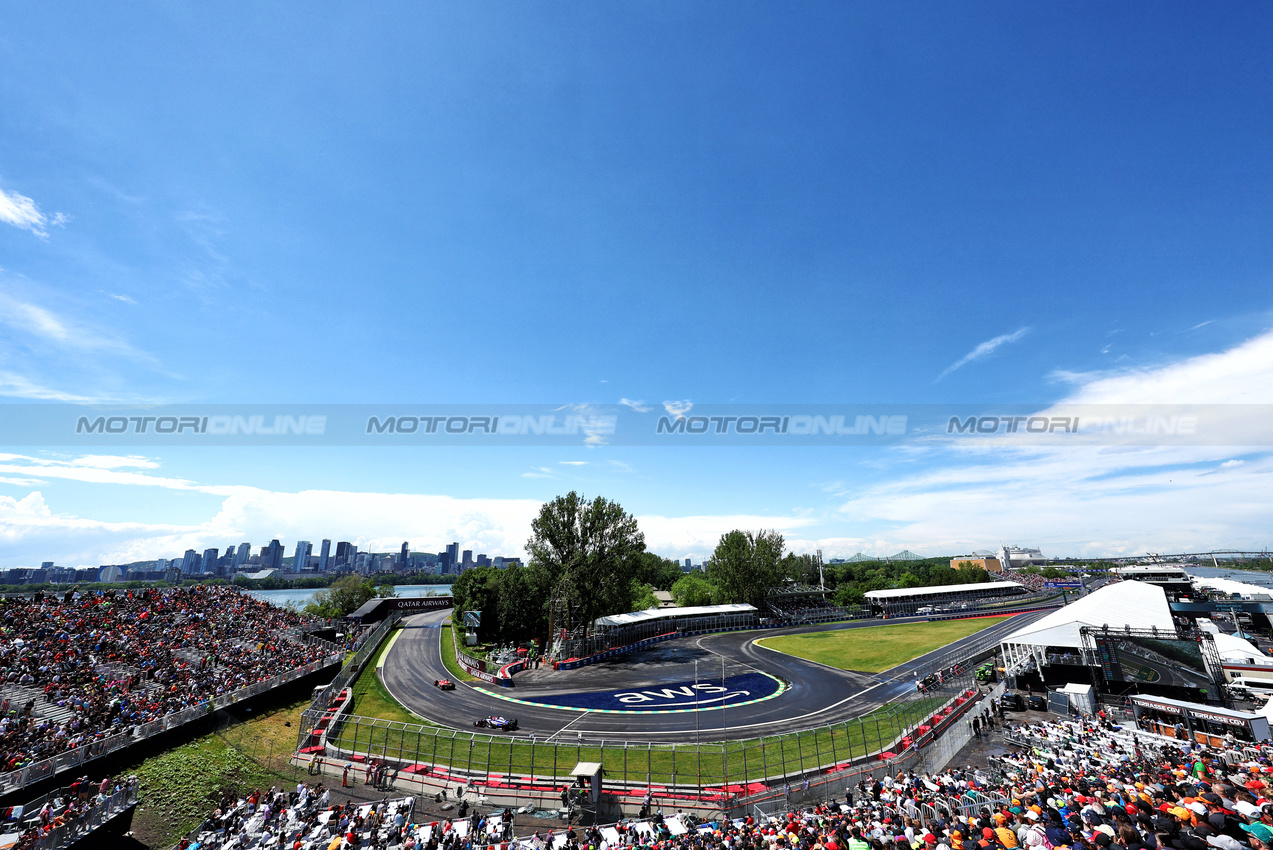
<point x="685" y="696"/>
<point x="672" y="697"/>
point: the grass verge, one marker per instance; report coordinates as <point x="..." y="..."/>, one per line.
<point x="182" y="785"/>
<point x="448" y="655"/>
<point x="877" y="648"/>
<point x="370" y="695"/>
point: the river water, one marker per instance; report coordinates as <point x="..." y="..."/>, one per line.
<point x="301" y="597"/>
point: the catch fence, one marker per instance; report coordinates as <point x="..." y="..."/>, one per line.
<point x="729" y="773"/>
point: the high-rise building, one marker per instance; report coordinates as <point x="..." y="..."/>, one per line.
<point x="453" y="556"/>
<point x="190" y="562"/>
<point x="483" y="561"/>
<point x="161" y="564"/>
<point x="242" y="554"/>
<point x="300" y="559"/>
<point x="467" y="563"/>
<point x="209" y="563"/>
<point x="403" y="555"/>
<point x="345" y="554"/>
<point x="272" y="556"/>
<point x="323" y="554"/>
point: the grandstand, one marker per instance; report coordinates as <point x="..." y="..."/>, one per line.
<point x="86" y="674"/>
<point x="904" y="601"/>
<point x="799" y="603"/>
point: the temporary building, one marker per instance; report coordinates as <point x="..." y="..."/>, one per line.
<point x="1124" y="604"/>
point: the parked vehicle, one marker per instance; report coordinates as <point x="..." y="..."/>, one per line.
<point x="1013" y="701"/>
<point x="1038" y="703"/>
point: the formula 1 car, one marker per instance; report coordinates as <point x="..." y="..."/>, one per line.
<point x="444" y="684"/>
<point x="497" y="722"/>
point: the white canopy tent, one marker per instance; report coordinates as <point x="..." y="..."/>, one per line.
<point x="1126" y="603"/>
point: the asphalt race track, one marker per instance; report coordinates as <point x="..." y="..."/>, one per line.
<point x="715" y="687"/>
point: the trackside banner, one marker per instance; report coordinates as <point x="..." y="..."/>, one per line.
<point x="674" y="424"/>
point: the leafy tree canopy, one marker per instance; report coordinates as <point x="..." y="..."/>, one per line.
<point x="345" y="596"/>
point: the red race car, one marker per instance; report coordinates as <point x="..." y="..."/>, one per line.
<point x="444" y="684"/>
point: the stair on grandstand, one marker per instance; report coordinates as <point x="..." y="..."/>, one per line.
<point x="19" y="695"/>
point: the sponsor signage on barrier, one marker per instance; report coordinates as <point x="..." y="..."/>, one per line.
<point x="408" y="604"/>
<point x="1063" y="585"/>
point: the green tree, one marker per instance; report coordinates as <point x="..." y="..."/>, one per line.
<point x="478" y="589"/>
<point x="691" y="590"/>
<point x="802" y="568"/>
<point x="849" y="595"/>
<point x="659" y="572"/>
<point x="746" y="565"/>
<point x="643" y="597"/>
<point x="587" y="551"/>
<point x="345" y="596"/>
<point x="523" y="605"/>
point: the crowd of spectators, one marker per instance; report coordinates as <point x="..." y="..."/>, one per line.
<point x="103" y="663"/>
<point x="69" y="808"/>
<point x="1068" y="785"/>
<point x="304" y="819"/>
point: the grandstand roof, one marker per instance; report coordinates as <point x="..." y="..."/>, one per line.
<point x="947" y="588"/>
<point x="1234" y="588"/>
<point x="1234" y="649"/>
<point x="669" y="613"/>
<point x="1127" y="603"/>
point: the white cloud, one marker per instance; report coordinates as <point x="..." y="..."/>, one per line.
<point x="126" y="299"/>
<point x="638" y="406"/>
<point x="698" y="535"/>
<point x="28" y="318"/>
<point x="573" y="462"/>
<point x="1098" y="500"/>
<point x="21" y="212"/>
<point x="983" y="350"/>
<point x="678" y="408"/>
<point x="1242" y="374"/>
<point x="19" y="386"/>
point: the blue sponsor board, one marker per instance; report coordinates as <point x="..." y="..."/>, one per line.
<point x="704" y="695"/>
<point x="1063" y="585"/>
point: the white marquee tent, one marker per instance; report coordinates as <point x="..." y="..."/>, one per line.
<point x="1125" y="603"/>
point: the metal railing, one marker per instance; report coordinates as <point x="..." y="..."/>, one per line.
<point x="368" y="644"/>
<point x="85" y="822"/>
<point x="51" y="767"/>
<point x="730" y="773"/>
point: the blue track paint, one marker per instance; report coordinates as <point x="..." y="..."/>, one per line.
<point x="669" y="698"/>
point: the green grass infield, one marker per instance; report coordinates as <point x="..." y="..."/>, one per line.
<point x="877" y="648"/>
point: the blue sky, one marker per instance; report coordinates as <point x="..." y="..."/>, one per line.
<point x="578" y="203"/>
